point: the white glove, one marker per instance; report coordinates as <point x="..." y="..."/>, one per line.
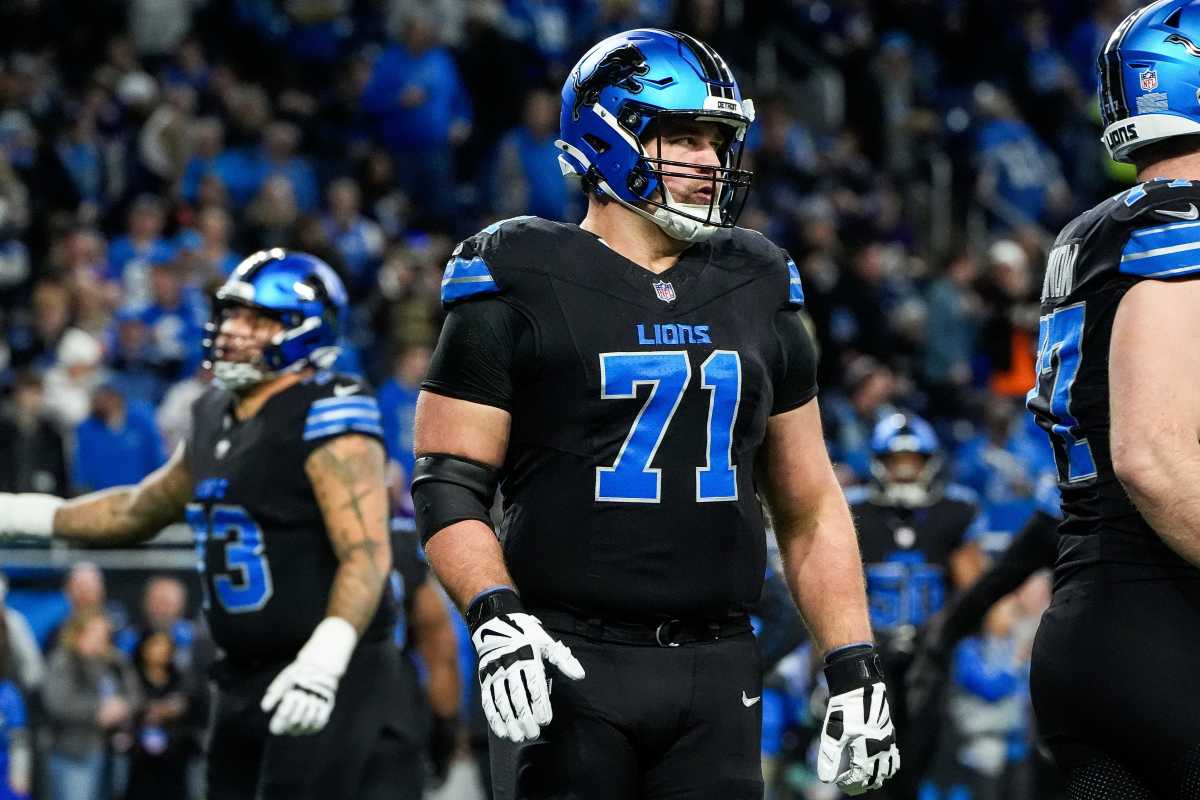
<point x="305" y="689"/>
<point x="27" y="514"/>
<point x="512" y="678"/>
<point x="858" y="742"/>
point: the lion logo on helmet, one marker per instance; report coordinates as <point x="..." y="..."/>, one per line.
<point x="618" y="68"/>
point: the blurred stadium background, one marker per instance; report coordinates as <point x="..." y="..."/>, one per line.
<point x="915" y="157"/>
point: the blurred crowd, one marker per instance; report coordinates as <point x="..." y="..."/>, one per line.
<point x="914" y="156"/>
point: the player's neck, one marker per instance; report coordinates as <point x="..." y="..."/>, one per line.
<point x="634" y="237"/>
<point x="1180" y="167"/>
<point x="250" y="403"/>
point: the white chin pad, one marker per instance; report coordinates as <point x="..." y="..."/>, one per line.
<point x="234" y="376"/>
<point x="682" y="228"/>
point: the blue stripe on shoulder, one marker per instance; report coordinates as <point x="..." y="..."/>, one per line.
<point x="465" y="278"/>
<point x="342" y="426"/>
<point x="1169" y="250"/>
<point x="795" y="289"/>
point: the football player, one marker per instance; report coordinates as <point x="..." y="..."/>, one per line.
<point x="916" y="538"/>
<point x="631" y="384"/>
<point x="1114" y="681"/>
<point x="282" y="481"/>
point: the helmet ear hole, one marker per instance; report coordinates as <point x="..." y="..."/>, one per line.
<point x="598" y="144"/>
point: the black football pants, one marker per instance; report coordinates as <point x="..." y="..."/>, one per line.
<point x="646" y="723"/>
<point x="366" y="751"/>
<point x="1116" y="689"/>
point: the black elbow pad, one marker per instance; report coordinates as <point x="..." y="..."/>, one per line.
<point x="447" y="489"/>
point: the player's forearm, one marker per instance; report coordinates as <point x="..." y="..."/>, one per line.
<point x="118" y="516"/>
<point x="468" y="560"/>
<point x="439" y="653"/>
<point x="1160" y="478"/>
<point x="434" y="636"/>
<point x="358" y="586"/>
<point x="823" y="569"/>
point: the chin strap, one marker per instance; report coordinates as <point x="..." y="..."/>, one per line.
<point x="671" y="219"/>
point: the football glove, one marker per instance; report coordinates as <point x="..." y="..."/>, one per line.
<point x="302" y="695"/>
<point x="858" y="742"/>
<point x="27" y="514"/>
<point x="512" y="678"/>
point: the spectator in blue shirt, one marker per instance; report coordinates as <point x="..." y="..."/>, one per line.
<point x="212" y="259"/>
<point x="422" y="111"/>
<point x="117" y="445"/>
<point x="130" y="256"/>
<point x="397" y="404"/>
<point x="278" y="156"/>
<point x="131" y="359"/>
<point x="208" y="143"/>
<point x="358" y="239"/>
<point x="1003" y="462"/>
<point x="1019" y="177"/>
<point x="176" y="316"/>
<point x="528" y="179"/>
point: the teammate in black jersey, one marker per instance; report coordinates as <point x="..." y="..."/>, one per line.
<point x="915" y="534"/>
<point x="1115" y="683"/>
<point x="632" y="383"/>
<point x="282" y="479"/>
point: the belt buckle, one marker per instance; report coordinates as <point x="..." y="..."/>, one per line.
<point x="664" y="630"/>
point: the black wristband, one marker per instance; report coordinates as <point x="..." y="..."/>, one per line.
<point x="852" y="668"/>
<point x="490" y="604"/>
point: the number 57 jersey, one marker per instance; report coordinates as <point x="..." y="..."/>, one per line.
<point x="265" y="559"/>
<point x="1150" y="232"/>
<point x="638" y="404"/>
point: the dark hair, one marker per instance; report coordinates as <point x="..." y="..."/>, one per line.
<point x="139" y="651"/>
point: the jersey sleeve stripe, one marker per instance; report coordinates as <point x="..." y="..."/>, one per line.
<point x="1175" y="262"/>
<point x="342" y="413"/>
<point x="466" y="278"/>
<point x="795" y="289"/>
<point x="342" y="427"/>
<point x="329" y="403"/>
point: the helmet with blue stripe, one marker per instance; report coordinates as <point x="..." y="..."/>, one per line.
<point x="1150" y="77"/>
<point x="905" y="481"/>
<point x="610" y="101"/>
<point x="298" y="290"/>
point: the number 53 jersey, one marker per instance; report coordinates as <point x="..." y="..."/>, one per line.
<point x="638" y="404"/>
<point x="1150" y="232"/>
<point x="265" y="559"/>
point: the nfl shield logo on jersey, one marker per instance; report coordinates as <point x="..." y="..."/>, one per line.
<point x="1149" y="80"/>
<point x="664" y="291"/>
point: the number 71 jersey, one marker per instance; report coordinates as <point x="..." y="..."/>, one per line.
<point x="638" y="403"/>
<point x="1150" y="232"/>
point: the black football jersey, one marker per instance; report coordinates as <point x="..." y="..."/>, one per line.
<point x="906" y="553"/>
<point x="638" y="404"/>
<point x="266" y="563"/>
<point x="1148" y="232"/>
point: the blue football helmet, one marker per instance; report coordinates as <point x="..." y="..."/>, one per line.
<point x="1150" y="77"/>
<point x="298" y="290"/>
<point x="908" y="483"/>
<point x="617" y="91"/>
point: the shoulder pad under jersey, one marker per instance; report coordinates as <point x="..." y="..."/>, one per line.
<point x="475" y="265"/>
<point x="336" y="404"/>
<point x="745" y="249"/>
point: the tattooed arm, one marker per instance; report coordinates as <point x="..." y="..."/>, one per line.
<point x="127" y="515"/>
<point x="348" y="479"/>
